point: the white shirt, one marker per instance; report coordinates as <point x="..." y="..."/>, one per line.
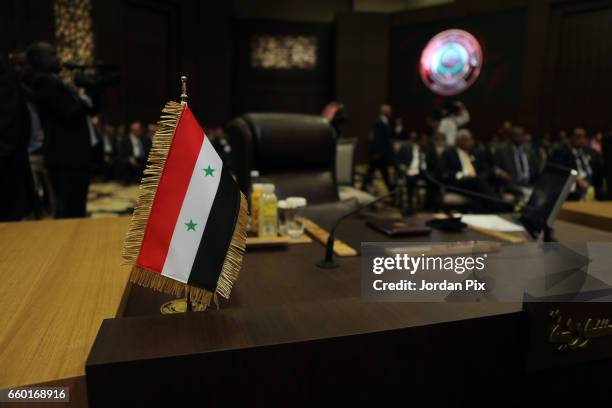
<point x="413" y="168"/>
<point x="450" y="125"/>
<point x="521" y="163"/>
<point x="137" y="149"/>
<point x="582" y="164"/>
<point x="108" y="144"/>
<point x="93" y="139"/>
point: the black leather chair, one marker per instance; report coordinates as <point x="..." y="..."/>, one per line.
<point x="295" y="152"/>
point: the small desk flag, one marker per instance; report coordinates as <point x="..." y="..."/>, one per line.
<point x="189" y="226"/>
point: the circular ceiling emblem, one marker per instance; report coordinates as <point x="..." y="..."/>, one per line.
<point x="451" y="62"/>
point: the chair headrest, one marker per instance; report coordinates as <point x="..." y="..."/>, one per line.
<point x="286" y="141"/>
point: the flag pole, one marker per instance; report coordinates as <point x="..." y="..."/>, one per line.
<point x="188" y="304"/>
<point x="174" y="306"/>
<point x="184" y="96"/>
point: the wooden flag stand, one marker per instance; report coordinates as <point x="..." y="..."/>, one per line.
<point x="186" y="304"/>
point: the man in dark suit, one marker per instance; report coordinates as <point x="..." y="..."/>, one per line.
<point x="464" y="168"/>
<point x="109" y="148"/>
<point x="16" y="183"/>
<point x="579" y="156"/>
<point x="515" y="164"/>
<point x="381" y="147"/>
<point x="415" y="160"/>
<point x="69" y="135"/>
<point x="133" y="151"/>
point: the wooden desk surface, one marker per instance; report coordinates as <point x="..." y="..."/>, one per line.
<point x="60" y="279"/>
<point x="291" y="323"/>
<point x="595" y="214"/>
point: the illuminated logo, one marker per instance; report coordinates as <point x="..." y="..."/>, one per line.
<point x="451" y="62"/>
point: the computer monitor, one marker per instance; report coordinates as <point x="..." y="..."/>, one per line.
<point x="549" y="194"/>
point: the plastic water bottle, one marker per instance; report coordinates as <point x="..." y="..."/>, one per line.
<point x="268" y="212"/>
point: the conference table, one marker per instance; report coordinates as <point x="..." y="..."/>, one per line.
<point x="290" y="330"/>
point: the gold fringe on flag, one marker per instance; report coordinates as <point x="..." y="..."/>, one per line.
<point x="231" y="264"/>
<point x="148" y="186"/>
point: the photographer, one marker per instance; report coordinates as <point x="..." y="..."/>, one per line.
<point x="69" y="136"/>
<point x="454" y="116"/>
<point x="16" y="184"/>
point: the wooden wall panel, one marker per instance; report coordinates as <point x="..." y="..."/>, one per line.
<point x="25" y="21"/>
<point x="551" y="59"/>
<point x="281" y="90"/>
<point x="155" y="42"/>
<point x="151" y="53"/>
<point x="577" y="79"/>
<point x="560" y="61"/>
<point x="362" y="58"/>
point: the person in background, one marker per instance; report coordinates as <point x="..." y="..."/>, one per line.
<point x="595" y="144"/>
<point x="219" y="142"/>
<point x="417" y="160"/>
<point x="97" y="152"/>
<point x="577" y="155"/>
<point x="151" y="129"/>
<point x="463" y="167"/>
<point x="22" y="68"/>
<point x="544" y="148"/>
<point x="381" y="148"/>
<point x="133" y="151"/>
<point x="16" y="183"/>
<point x="119" y="166"/>
<point x="69" y="137"/>
<point x="399" y="130"/>
<point x="329" y="111"/>
<point x="121" y="131"/>
<point x="335" y="113"/>
<point x="515" y="164"/>
<point x="563" y="138"/>
<point x="503" y="133"/>
<point x="453" y="116"/>
<point x="109" y="144"/>
<point x="19" y="62"/>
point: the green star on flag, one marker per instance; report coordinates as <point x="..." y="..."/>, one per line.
<point x="191" y="225"/>
<point x="208" y="171"/>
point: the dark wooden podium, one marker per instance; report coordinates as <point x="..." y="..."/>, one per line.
<point x="295" y="334"/>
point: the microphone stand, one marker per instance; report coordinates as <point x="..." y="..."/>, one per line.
<point x="328" y="262"/>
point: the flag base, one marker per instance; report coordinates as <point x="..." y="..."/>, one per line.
<point x="180" y="306"/>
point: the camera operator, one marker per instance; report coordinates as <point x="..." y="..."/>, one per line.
<point x="69" y="135"/>
<point x="16" y="184"/>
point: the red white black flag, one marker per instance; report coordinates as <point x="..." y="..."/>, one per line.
<point x="189" y="227"/>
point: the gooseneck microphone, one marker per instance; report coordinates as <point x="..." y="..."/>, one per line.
<point x="328" y="262"/>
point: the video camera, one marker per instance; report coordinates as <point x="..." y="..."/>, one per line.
<point x="96" y="76"/>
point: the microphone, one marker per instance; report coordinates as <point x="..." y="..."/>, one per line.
<point x="328" y="262"/>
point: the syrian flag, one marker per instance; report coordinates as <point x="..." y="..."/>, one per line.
<point x="189" y="227"/>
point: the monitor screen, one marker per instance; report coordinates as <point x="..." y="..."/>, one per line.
<point x="549" y="193"/>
